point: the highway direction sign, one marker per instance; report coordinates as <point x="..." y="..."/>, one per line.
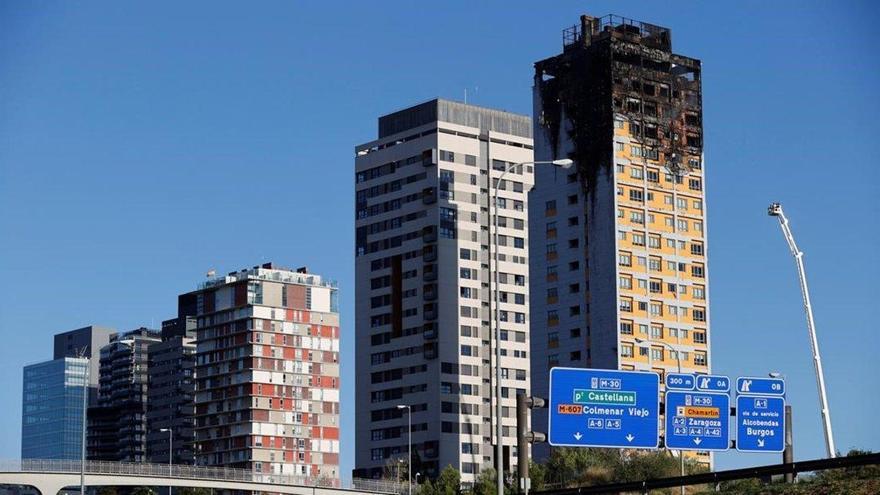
<point x="697" y="420"/>
<point x="760" y="423"/>
<point x="604" y="408"/>
<point x="760" y="386"/>
<point x="713" y="383"/>
<point x="680" y="381"/>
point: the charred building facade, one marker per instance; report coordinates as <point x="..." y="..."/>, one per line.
<point x="618" y="247"/>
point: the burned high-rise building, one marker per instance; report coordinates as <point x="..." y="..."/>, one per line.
<point x="618" y="246"/>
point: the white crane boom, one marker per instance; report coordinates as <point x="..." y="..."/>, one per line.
<point x="775" y="210"/>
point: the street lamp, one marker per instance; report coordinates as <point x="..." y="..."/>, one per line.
<point x="85" y="413"/>
<point x="678" y="359"/>
<point x="493" y="242"/>
<point x="409" y="447"/>
<point x="170" y="452"/>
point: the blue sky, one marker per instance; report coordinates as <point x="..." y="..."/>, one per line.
<point x="142" y="144"/>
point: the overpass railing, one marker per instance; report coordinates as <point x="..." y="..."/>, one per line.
<point x="183" y="471"/>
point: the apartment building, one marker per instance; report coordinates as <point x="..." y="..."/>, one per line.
<point x="619" y="273"/>
<point x="267" y="371"/>
<point x="117" y="425"/>
<point x="170" y="395"/>
<point x="424" y="296"/>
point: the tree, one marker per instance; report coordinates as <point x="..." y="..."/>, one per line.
<point x="485" y="484"/>
<point x="143" y="490"/>
<point x="107" y="490"/>
<point x="449" y="482"/>
<point x="537" y="474"/>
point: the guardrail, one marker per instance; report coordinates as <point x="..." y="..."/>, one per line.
<point x="210" y="473"/>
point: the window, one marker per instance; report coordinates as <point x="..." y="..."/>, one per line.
<point x="681" y="203"/>
<point x="626" y="327"/>
<point x="667" y="199"/>
<point x="655" y="286"/>
<point x="573" y="199"/>
<point x="654" y="265"/>
<point x="626" y="350"/>
<point x="699" y="292"/>
<point x="637" y="217"/>
<point x="656" y="309"/>
<point x="626" y="305"/>
<point x="697" y="248"/>
<point x="625" y="283"/>
<point x="700" y="358"/>
<point x="636" y="173"/>
<point x="698" y="205"/>
<point x="682" y="225"/>
<point x="624" y="259"/>
<point x="653" y="176"/>
<point x="572" y="221"/>
<point x="697" y="271"/>
<point x="636" y="195"/>
<point x="574" y="288"/>
<point x="695" y="185"/>
<point x="699" y="314"/>
<point x="656" y="331"/>
<point x="699" y="337"/>
<point x="638" y="239"/>
<point x="550" y="206"/>
<point x="654" y="241"/>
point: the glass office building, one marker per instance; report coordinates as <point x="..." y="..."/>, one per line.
<point x="52" y="409"/>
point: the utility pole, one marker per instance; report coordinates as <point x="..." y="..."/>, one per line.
<point x="524" y="438"/>
<point x="775" y="210"/>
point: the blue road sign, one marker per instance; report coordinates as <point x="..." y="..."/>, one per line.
<point x="604" y="408"/>
<point x="713" y="383"/>
<point x="680" y="381"/>
<point x="697" y="420"/>
<point x="760" y="386"/>
<point x="760" y="423"/>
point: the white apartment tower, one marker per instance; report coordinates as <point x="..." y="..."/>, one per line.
<point x="424" y="298"/>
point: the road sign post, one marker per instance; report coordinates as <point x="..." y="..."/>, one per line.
<point x="604" y="408"/>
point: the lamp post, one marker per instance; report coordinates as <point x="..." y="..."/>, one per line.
<point x="170" y="453"/>
<point x="678" y="359"/>
<point x="409" y="447"/>
<point x="493" y="242"/>
<point x="85" y="412"/>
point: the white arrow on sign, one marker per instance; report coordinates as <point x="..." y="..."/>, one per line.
<point x="760" y="442"/>
<point x="629" y="437"/>
<point x="697" y="440"/>
<point x="578" y="436"/>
